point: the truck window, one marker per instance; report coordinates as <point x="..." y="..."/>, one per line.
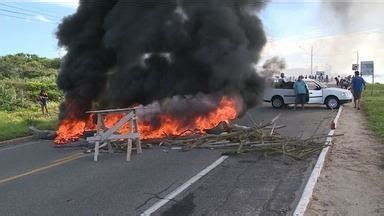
<point x="312" y="86"/>
<point x="280" y="85"/>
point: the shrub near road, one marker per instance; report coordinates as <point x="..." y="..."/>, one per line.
<point x="374" y="107"/>
<point x="22" y="76"/>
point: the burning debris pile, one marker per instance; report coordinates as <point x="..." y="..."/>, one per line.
<point x="237" y="139"/>
<point x="149" y="118"/>
<point x="189" y="64"/>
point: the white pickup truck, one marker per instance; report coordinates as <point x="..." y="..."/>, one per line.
<point x="279" y="94"/>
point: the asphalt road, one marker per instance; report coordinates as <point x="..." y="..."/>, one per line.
<point x="38" y="179"/>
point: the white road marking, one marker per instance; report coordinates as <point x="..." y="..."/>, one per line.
<point x="182" y="187"/>
<point x="308" y="190"/>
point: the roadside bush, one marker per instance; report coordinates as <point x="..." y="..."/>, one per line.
<point x="8" y="98"/>
<point x="34" y="87"/>
<point x="22" y="76"/>
<point x="23" y="94"/>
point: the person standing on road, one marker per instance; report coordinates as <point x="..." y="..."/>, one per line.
<point x="357" y="86"/>
<point x="43" y="100"/>
<point x="301" y="91"/>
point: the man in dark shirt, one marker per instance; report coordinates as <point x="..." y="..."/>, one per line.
<point x="357" y="87"/>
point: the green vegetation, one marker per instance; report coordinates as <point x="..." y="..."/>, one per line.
<point x="22" y="76"/>
<point x="374" y="107"/>
<point x="11" y="128"/>
<point x="15" y="123"/>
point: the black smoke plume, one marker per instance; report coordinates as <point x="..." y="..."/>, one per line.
<point x="122" y="53"/>
<point x="274" y="66"/>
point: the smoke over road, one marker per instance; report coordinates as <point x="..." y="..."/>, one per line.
<point x="274" y="66"/>
<point x="122" y="53"/>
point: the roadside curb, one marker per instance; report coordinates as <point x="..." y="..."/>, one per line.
<point x="310" y="185"/>
<point x="18" y="140"/>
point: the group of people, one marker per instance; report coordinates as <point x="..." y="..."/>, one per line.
<point x="343" y="82"/>
<point x="357" y="85"/>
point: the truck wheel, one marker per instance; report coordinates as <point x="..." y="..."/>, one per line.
<point x="277" y="102"/>
<point x="332" y="102"/>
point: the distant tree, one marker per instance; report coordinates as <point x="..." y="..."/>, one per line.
<point x="23" y="65"/>
<point x="23" y="75"/>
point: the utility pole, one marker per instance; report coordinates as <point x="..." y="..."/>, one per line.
<point x="311" y="60"/>
<point x="357" y="60"/>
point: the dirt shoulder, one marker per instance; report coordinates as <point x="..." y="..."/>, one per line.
<point x="351" y="182"/>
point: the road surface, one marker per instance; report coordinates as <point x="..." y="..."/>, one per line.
<point x="38" y="179"/>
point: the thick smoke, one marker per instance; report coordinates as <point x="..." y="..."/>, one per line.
<point x="84" y="69"/>
<point x="353" y="15"/>
<point x="339" y="11"/>
<point x="274" y="66"/>
<point x="122" y="53"/>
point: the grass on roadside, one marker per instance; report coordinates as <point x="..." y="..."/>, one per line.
<point x="15" y="124"/>
<point x="374" y="107"/>
<point x="11" y="127"/>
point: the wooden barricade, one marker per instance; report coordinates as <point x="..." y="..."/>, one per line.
<point x="104" y="136"/>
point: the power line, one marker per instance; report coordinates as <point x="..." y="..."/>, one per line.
<point x="7" y="15"/>
<point x="26" y="19"/>
<point x="28" y="10"/>
<point x="16" y="12"/>
<point x="9" y="11"/>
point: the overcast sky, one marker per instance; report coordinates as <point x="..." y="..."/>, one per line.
<point x="335" y="29"/>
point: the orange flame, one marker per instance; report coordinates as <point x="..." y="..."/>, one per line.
<point x="71" y="130"/>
